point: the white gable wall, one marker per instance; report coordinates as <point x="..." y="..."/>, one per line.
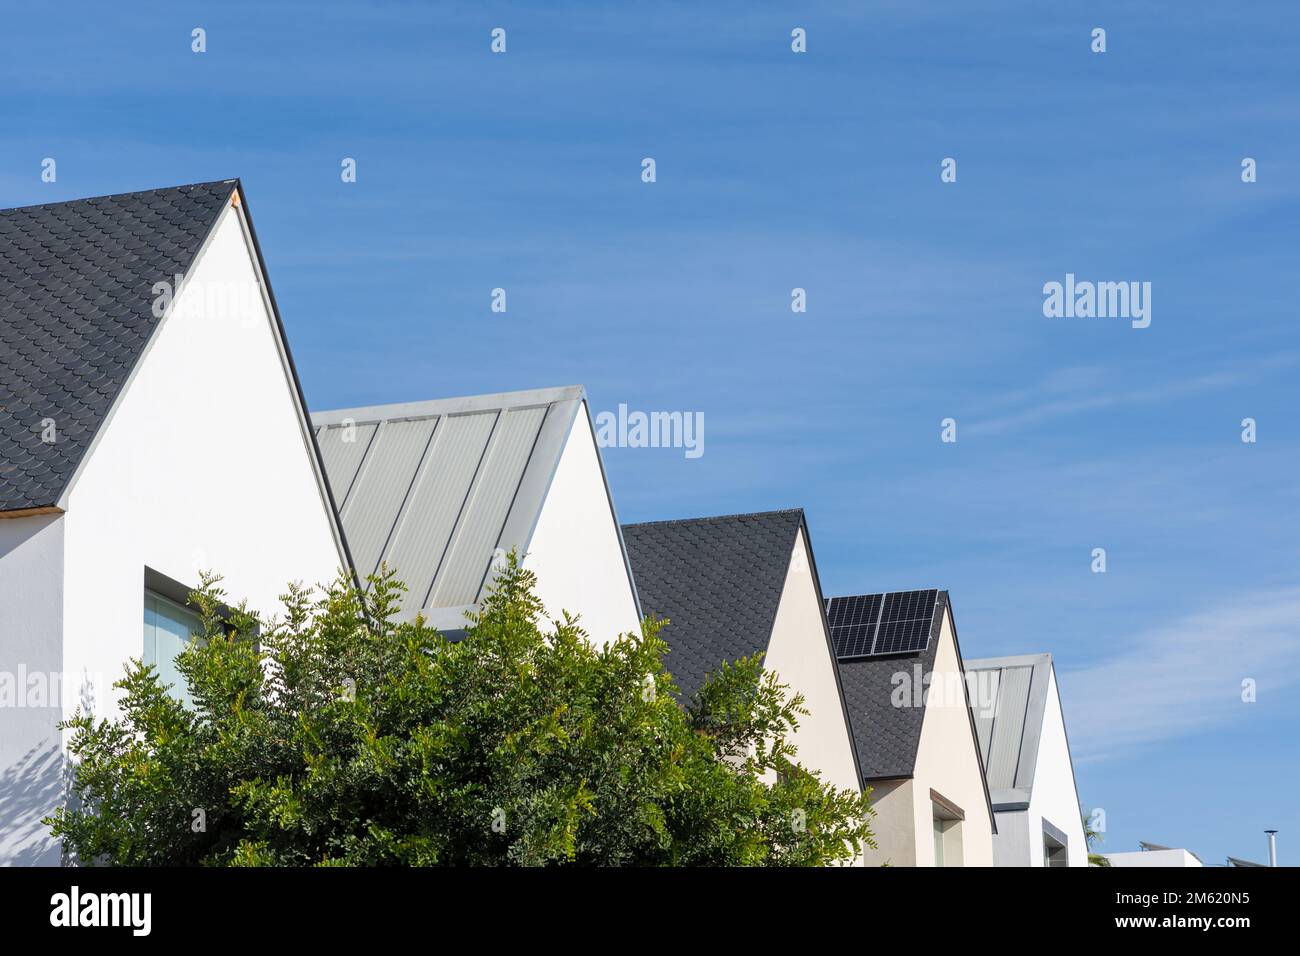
<point x="576" y="550"/>
<point x="1054" y="797"/>
<point x="203" y="465"/>
<point x="948" y="761"/>
<point x="31" y="674"/>
<point x="800" y="655"/>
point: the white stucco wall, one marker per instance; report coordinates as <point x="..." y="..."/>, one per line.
<point x="1054" y="797"/>
<point x="894" y="825"/>
<point x="31" y="685"/>
<point x="204" y="465"/>
<point x="948" y="761"/>
<point x="575" y="550"/>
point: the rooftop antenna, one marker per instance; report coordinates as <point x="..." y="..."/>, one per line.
<point x="1272" y="847"/>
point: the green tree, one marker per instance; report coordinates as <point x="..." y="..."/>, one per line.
<point x="339" y="735"/>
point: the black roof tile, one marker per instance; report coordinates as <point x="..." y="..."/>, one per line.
<point x="76" y="312"/>
<point x="887" y="736"/>
<point x="717" y="580"/>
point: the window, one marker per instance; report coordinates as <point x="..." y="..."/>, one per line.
<point x="947" y="818"/>
<point x="1055" y="846"/>
<point x="168" y="627"/>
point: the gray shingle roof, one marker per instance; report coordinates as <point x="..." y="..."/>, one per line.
<point x="76" y="312"/>
<point x="886" y="736"/>
<point x="717" y="580"/>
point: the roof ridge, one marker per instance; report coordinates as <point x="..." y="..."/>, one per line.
<point x="707" y="518"/>
<point x="840" y="597"/>
<point x="1003" y="660"/>
<point x="130" y="192"/>
<point x="450" y="405"/>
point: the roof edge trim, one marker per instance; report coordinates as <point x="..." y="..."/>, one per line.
<point x="398" y="411"/>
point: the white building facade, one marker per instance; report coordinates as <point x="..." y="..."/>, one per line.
<point x="185" y="449"/>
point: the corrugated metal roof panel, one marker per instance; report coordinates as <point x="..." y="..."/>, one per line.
<point x="342" y="447"/>
<point x="381" y="488"/>
<point x="984" y="714"/>
<point x="1008" y="727"/>
<point x="437" y="500"/>
<point x="1010" y="747"/>
<point x="489" y="502"/>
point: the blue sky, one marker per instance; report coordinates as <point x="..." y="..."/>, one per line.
<point x="819" y="171"/>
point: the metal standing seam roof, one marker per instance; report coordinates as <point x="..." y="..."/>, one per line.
<point x="1010" y="727"/>
<point x="434" y="489"/>
<point x="76" y="314"/>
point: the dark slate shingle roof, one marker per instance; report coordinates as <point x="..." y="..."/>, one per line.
<point x="886" y="736"/>
<point x="717" y="580"/>
<point x="76" y="312"/>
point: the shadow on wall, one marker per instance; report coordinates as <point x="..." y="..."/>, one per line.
<point x="30" y="789"/>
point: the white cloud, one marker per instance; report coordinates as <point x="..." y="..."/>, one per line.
<point x="1185" y="676"/>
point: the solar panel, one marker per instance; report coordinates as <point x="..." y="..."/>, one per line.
<point x="852" y="621"/>
<point x="867" y="625"/>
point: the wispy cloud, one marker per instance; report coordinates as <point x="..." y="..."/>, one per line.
<point x="1185" y="676"/>
<point x="1085" y="389"/>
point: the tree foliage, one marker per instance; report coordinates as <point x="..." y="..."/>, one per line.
<point x="341" y="735"/>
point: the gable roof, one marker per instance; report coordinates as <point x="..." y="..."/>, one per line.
<point x="717" y="580"/>
<point x="1010" y="729"/>
<point x="887" y="737"/>
<point x="76" y="314"/>
<point x="434" y="489"/>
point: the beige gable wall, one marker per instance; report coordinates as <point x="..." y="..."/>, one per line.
<point x="800" y="654"/>
<point x="948" y="761"/>
<point x="894" y="824"/>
